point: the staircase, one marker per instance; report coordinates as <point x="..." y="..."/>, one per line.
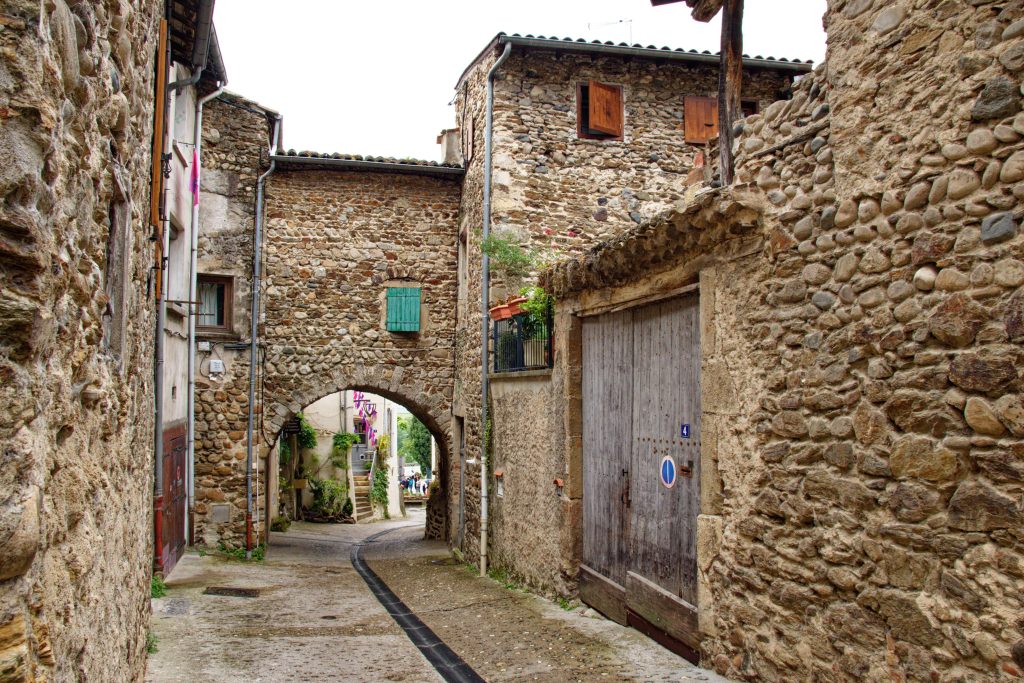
<point x="361" y="498"/>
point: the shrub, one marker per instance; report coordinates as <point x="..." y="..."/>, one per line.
<point x="157" y="587"/>
<point x="327" y="496"/>
<point x="280" y="523"/>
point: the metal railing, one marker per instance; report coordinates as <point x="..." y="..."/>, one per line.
<point x="522" y="343"/>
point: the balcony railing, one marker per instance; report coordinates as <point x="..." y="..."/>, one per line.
<point x="522" y="343"/>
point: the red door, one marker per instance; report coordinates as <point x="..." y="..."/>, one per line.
<point x="173" y="541"/>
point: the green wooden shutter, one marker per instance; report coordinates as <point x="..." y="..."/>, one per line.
<point x="403" y="309"/>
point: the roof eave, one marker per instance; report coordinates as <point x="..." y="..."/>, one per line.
<point x="289" y="161"/>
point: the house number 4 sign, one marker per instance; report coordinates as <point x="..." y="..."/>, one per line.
<point x="684" y="431"/>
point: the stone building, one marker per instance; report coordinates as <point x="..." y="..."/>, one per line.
<point x="340" y="234"/>
<point x="237" y="135"/>
<point x="560" y="187"/>
<point x="858" y="480"/>
<point x="195" y="72"/>
<point x="76" y="338"/>
<point x="342" y="231"/>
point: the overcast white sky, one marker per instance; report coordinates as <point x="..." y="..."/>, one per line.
<point x="376" y="77"/>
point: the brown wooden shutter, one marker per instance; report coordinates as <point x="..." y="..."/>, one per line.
<point x="700" y="119"/>
<point x="605" y="108"/>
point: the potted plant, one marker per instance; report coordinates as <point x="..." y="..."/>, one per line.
<point x="499" y="312"/>
<point x="515" y="305"/>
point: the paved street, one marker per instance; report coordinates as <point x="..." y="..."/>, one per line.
<point x="314" y="619"/>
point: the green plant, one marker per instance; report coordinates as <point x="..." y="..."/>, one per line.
<point x="341" y="443"/>
<point x="306" y="438"/>
<point x="346" y="508"/>
<point x="280" y="523"/>
<point x="327" y="496"/>
<point x="566" y="604"/>
<point x="538" y="306"/>
<point x="157" y="587"/>
<point x="502" y="576"/>
<point x="151" y="642"/>
<point x="258" y="553"/>
<point x="379" y="487"/>
<point x="307" y="435"/>
<point x="414" y="442"/>
<point x="507" y="256"/>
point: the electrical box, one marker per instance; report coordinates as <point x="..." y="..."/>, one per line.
<point x="203" y="346"/>
<point x="216" y="366"/>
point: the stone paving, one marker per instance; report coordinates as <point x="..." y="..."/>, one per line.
<point x="315" y="620"/>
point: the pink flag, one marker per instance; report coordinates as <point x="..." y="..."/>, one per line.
<point x="194" y="180"/>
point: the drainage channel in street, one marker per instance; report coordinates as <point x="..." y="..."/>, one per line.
<point x="449" y="665"/>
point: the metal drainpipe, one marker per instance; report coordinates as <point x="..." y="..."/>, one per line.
<point x="253" y="346"/>
<point x="190" y="437"/>
<point x="484" y="296"/>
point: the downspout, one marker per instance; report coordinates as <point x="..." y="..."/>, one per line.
<point x="193" y="286"/>
<point x="484" y="298"/>
<point x="253" y="345"/>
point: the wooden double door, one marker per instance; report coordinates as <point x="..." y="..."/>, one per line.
<point x="641" y="468"/>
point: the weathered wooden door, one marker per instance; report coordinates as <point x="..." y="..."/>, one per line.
<point x="641" y="468"/>
<point x="174" y="496"/>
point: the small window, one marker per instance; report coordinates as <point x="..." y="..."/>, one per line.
<point x="700" y="119"/>
<point x="599" y="111"/>
<point x="215" y="299"/>
<point x="403" y="309"/>
<point x="748" y="107"/>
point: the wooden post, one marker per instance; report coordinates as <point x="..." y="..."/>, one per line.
<point x="293" y="443"/>
<point x="730" y="83"/>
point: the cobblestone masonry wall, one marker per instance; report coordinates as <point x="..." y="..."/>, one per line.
<point x="336" y="240"/>
<point x="235" y="133"/>
<point x="862" y="390"/>
<point x="559" y="195"/>
<point x="76" y="110"/>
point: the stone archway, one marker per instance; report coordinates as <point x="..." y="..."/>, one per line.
<point x="429" y="407"/>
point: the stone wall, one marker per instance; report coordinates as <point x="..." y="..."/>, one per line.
<point x="862" y="481"/>
<point x="76" y="336"/>
<point x="527" y="434"/>
<point x="236" y="132"/>
<point x="334" y="242"/>
<point x="559" y="195"/>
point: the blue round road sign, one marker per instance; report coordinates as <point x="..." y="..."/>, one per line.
<point x="668" y="472"/>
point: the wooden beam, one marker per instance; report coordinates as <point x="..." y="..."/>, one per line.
<point x="730" y="83"/>
<point x="703" y="10"/>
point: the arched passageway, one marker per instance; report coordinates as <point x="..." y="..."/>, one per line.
<point x="369" y="417"/>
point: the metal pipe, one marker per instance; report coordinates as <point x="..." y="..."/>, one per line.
<point x="484" y="297"/>
<point x="193" y="285"/>
<point x="253" y="345"/>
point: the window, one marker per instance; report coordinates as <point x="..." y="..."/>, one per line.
<point x="403" y="309"/>
<point x="215" y="303"/>
<point x="599" y="111"/>
<point x="700" y="119"/>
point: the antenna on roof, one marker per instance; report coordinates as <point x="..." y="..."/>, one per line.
<point x="629" y="22"/>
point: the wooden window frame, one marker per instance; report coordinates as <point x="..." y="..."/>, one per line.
<point x="227" y="329"/>
<point x="581" y="133"/>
